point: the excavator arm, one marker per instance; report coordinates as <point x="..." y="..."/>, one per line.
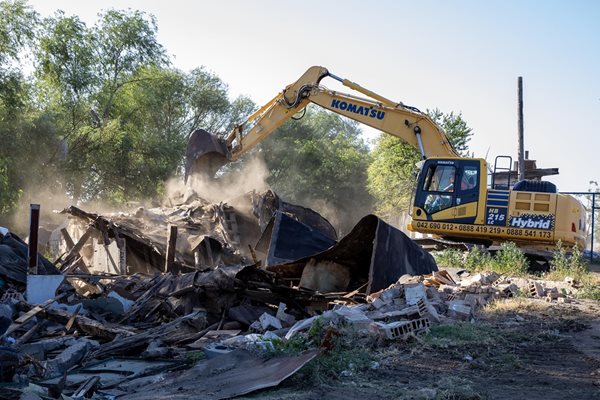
<point x="206" y="153"/>
<point x="397" y="119"/>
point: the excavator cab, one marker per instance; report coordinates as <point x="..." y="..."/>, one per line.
<point x="449" y="190"/>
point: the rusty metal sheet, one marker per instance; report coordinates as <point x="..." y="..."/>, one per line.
<point x="376" y="253"/>
<point x="224" y="377"/>
<point x="287" y="239"/>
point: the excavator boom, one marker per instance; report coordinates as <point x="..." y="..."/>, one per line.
<point x="397" y="119"/>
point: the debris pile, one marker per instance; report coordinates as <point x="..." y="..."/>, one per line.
<point x="128" y="322"/>
<point x="79" y="345"/>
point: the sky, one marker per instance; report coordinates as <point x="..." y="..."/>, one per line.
<point x="461" y="56"/>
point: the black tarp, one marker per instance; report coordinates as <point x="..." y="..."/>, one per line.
<point x="286" y="239"/>
<point x="376" y="253"/>
<point x="13" y="260"/>
<point x="266" y="204"/>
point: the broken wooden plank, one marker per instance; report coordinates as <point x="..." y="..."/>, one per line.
<point x="29" y="334"/>
<point x="30" y="314"/>
<point x="69" y="324"/>
<point x="68" y="239"/>
<point x="88" y="325"/>
<point x="86" y="387"/>
<point x="79" y="245"/>
<point x="77" y="264"/>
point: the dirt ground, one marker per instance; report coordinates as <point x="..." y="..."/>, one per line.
<point x="516" y="349"/>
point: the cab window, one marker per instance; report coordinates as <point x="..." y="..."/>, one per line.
<point x="469" y="178"/>
<point x="440" y="178"/>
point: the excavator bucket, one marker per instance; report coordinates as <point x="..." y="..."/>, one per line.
<point x="205" y="154"/>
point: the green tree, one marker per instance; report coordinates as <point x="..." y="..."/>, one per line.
<point x="391" y="174"/>
<point x="159" y="111"/>
<point x="321" y="161"/>
<point x="17" y="34"/>
<point x="81" y="71"/>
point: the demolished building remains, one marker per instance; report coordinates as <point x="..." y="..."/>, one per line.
<point x="122" y="320"/>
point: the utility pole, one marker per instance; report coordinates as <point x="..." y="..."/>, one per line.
<point x="521" y="144"/>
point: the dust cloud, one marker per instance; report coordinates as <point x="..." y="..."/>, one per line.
<point x="49" y="200"/>
<point x="237" y="180"/>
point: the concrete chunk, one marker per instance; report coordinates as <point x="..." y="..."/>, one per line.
<point x="268" y="321"/>
<point x="458" y="309"/>
<point x="414" y="293"/>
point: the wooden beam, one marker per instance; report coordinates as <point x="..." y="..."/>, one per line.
<point x="30" y="314"/>
<point x="34" y="224"/>
<point x="79" y="245"/>
<point x="68" y="239"/>
<point x="171" y="246"/>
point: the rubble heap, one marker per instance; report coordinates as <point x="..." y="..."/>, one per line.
<point x="74" y="345"/>
<point x="113" y="317"/>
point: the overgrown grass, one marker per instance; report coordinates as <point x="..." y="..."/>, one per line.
<point x="449" y="258"/>
<point x="568" y="265"/>
<point x="509" y="260"/>
<point x="589" y="291"/>
<point x="459" y="335"/>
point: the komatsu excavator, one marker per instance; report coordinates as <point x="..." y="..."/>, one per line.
<point x="453" y="198"/>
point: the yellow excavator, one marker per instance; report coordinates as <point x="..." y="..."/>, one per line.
<point x="452" y="200"/>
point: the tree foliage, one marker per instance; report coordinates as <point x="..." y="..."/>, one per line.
<point x="17" y="34"/>
<point x="104" y="116"/>
<point x="392" y="174"/>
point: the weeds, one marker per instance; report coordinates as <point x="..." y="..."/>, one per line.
<point x="568" y="265"/>
<point x="509" y="260"/>
<point x="589" y="291"/>
<point x="192" y="357"/>
<point x="347" y="351"/>
<point x="458" y="335"/>
<point x="478" y="260"/>
<point x="456" y="388"/>
<point x="447" y="388"/>
<point x="449" y="258"/>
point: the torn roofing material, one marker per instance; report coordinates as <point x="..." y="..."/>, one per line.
<point x="226" y="376"/>
<point x="13" y="260"/>
<point x="209" y="235"/>
<point x="266" y="204"/>
<point x="376" y="254"/>
<point x="286" y="239"/>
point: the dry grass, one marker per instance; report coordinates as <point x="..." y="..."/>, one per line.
<point x="517" y="305"/>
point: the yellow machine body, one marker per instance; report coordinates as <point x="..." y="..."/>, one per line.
<point x="453" y="201"/>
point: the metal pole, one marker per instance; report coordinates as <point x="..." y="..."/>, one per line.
<point x="521" y="144"/>
<point x="593" y="222"/>
<point x="34" y="224"/>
